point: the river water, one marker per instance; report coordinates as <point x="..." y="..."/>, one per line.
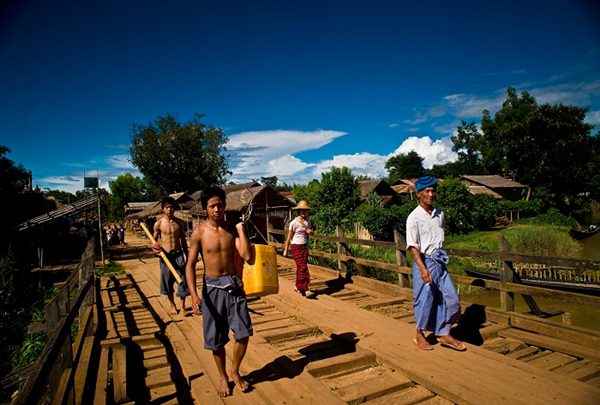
<point x="584" y="316"/>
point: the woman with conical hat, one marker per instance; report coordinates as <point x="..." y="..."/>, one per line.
<point x="299" y="230"/>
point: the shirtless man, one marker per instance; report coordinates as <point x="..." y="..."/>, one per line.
<point x="223" y="304"/>
<point x="171" y="231"/>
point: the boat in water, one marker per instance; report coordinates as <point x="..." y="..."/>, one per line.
<point x="576" y="286"/>
<point x="582" y="234"/>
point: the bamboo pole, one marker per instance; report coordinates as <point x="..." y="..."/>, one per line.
<point x="162" y="254"/>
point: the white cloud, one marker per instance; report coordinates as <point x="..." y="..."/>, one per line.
<point x="393" y="125"/>
<point x="364" y="163"/>
<point x="438" y="152"/>
<point x="119" y="162"/>
<point x="271" y="152"/>
<point x="286" y="166"/>
<point x="593" y="117"/>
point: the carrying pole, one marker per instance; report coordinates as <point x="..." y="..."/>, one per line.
<point x="162" y="254"/>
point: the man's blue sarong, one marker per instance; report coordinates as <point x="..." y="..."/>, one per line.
<point x="436" y="306"/>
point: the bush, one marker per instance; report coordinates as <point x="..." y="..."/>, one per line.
<point x="455" y="199"/>
<point x="552" y="217"/>
<point x="382" y="222"/>
<point x="542" y="240"/>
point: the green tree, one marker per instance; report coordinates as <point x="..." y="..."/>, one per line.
<point x="455" y="199"/>
<point x="179" y="157"/>
<point x="13" y="178"/>
<point x="537" y="145"/>
<point x="271" y="181"/>
<point x="336" y="199"/>
<point x="63" y="196"/>
<point x="405" y="166"/>
<point x="124" y="189"/>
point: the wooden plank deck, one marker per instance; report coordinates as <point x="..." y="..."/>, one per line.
<point x="476" y="376"/>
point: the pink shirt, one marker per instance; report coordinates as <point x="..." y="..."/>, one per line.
<point x="300" y="236"/>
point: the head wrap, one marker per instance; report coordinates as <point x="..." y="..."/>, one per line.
<point x="425" y="182"/>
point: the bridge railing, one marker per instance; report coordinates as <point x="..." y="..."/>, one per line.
<point x="508" y="283"/>
<point x="51" y="379"/>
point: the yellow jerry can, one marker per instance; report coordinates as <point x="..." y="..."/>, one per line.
<point x="260" y="279"/>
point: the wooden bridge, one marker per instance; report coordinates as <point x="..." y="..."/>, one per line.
<point x="352" y="345"/>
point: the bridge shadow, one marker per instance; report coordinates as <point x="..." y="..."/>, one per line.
<point x="130" y="252"/>
<point x="470" y="324"/>
<point x="286" y="367"/>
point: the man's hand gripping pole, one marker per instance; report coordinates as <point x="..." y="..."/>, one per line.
<point x="162" y="254"/>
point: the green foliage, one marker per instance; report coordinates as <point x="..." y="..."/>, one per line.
<point x="529" y="208"/>
<point x="15" y="301"/>
<point x="112" y="268"/>
<point x="27" y="353"/>
<point x="179" y="157"/>
<point x="124" y="189"/>
<point x="333" y="200"/>
<point x="485" y="211"/>
<point x="13" y="178"/>
<point x="405" y="166"/>
<point x="542" y="240"/>
<point x="547" y="145"/>
<point x="455" y="199"/>
<point x="552" y="217"/>
<point x="60" y="195"/>
<point x="271" y="181"/>
<point x="381" y="222"/>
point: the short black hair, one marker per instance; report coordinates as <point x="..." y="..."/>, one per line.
<point x="168" y="200"/>
<point x="210" y="192"/>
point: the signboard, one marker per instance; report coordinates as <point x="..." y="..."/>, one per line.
<point x="90" y="182"/>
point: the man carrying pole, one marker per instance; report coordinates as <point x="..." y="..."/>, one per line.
<point x="171" y="231"/>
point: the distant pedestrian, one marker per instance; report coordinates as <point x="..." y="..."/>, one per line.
<point x="122" y="234"/>
<point x="436" y="304"/>
<point x="299" y="230"/>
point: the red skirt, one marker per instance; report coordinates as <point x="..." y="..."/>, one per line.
<point x="300" y="256"/>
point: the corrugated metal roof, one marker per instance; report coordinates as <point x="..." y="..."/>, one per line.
<point x="66" y="210"/>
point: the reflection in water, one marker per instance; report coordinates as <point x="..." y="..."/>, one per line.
<point x="591" y="245"/>
<point x="581" y="315"/>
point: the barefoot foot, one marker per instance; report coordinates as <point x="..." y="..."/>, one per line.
<point x="223" y="389"/>
<point x="240" y="383"/>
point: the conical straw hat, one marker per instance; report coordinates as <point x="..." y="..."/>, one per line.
<point x="302" y="205"/>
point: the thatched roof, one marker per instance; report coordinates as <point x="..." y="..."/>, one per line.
<point x="483" y="190"/>
<point x="403" y="189"/>
<point x="237" y="187"/>
<point x="289" y="195"/>
<point x="238" y="198"/>
<point x="150" y="210"/>
<point x="492" y="181"/>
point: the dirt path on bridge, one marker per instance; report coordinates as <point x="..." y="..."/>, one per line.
<point x="329" y="350"/>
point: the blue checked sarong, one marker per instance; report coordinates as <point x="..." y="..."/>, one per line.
<point x="436" y="306"/>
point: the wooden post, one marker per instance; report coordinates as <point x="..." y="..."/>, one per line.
<point x="401" y="259"/>
<point x="507" y="275"/>
<point x="507" y="299"/>
<point x="341" y="250"/>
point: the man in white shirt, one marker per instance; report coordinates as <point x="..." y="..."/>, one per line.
<point x="436" y="304"/>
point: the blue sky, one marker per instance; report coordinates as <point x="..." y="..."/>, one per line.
<point x="297" y="86"/>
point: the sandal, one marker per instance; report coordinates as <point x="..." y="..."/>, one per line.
<point x="309" y="294"/>
<point x="298" y="291"/>
<point x="423" y="345"/>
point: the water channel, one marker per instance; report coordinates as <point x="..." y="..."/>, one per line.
<point x="584" y="316"/>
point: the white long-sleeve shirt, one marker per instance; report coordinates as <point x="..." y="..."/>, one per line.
<point x="425" y="232"/>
